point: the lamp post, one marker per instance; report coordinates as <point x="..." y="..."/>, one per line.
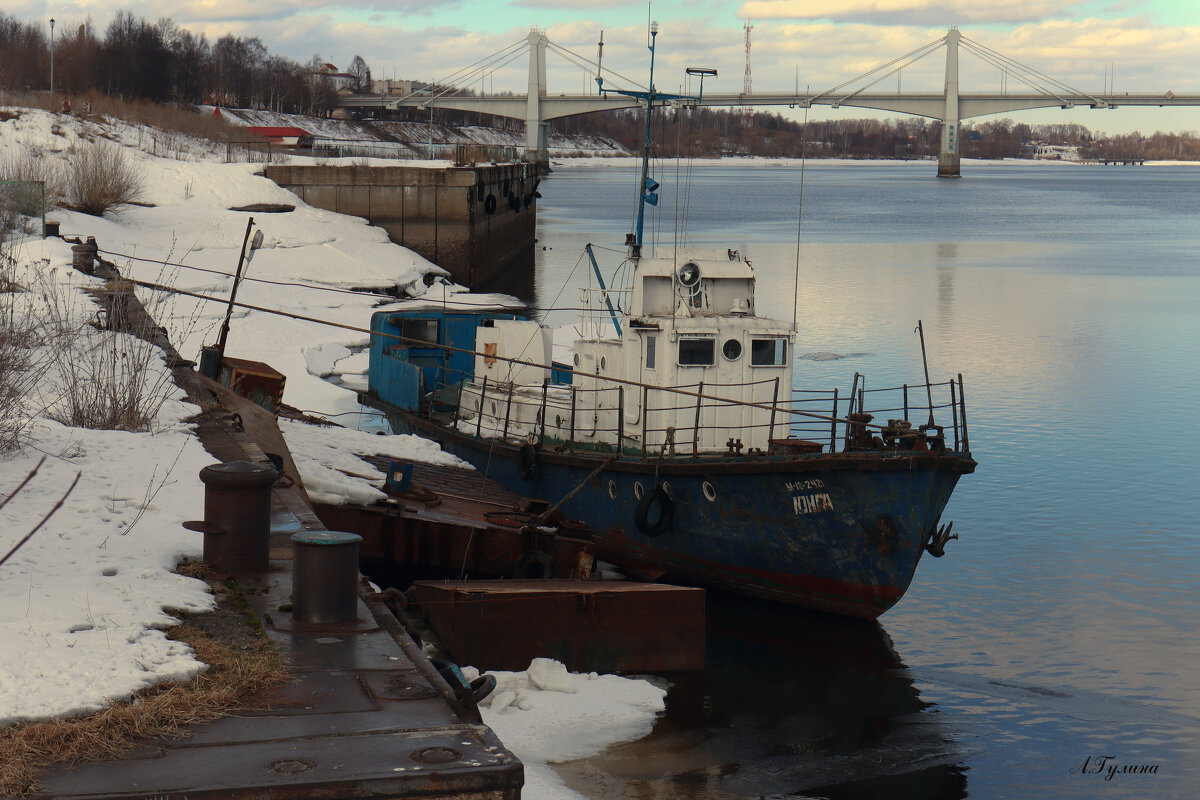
<point x="52" y="57"/>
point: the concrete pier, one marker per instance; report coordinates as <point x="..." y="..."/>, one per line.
<point x="476" y="222"/>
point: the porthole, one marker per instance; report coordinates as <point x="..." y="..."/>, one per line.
<point x="732" y="349"/>
<point x="638" y="491"/>
<point x="612" y="490"/>
<point x="577" y="359"/>
<point x="710" y="491"/>
<point x="603" y="364"/>
<point x="558" y="420"/>
<point x="493" y="408"/>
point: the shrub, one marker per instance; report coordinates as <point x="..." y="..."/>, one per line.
<point x="101" y="177"/>
<point x="101" y="378"/>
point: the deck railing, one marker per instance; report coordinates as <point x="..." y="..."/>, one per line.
<point x="694" y="419"/>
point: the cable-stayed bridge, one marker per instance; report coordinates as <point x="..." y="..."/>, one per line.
<point x="950" y="106"/>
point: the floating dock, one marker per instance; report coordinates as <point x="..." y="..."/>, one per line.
<point x="590" y="626"/>
<point x="367" y="715"/>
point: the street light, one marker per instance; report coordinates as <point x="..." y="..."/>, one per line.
<point x="703" y="72"/>
<point x="52" y="57"/>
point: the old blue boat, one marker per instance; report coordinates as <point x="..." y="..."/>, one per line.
<point x="673" y="430"/>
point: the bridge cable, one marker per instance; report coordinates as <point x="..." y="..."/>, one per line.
<point x="917" y="55"/>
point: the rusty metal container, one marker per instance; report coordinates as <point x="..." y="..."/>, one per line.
<point x="601" y="626"/>
<point x="325" y="577"/>
<point x="237" y="515"/>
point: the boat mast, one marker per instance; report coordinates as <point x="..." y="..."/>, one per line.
<point x="648" y="186"/>
<point x="645" y="187"/>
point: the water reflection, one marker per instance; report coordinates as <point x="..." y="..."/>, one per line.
<point x="790" y="702"/>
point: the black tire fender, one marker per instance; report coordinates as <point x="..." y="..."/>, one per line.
<point x="527" y="462"/>
<point x="489" y="205"/>
<point x="532" y="565"/>
<point x="655" y="513"/>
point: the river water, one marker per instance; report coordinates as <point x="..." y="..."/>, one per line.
<point x="1060" y="637"/>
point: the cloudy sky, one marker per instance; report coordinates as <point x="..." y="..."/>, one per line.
<point x="1134" y="45"/>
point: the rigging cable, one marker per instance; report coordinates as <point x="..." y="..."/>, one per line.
<point x="451" y="349"/>
<point x="800" y="217"/>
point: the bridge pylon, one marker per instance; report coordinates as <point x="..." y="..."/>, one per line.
<point x="536" y="149"/>
<point x="949" y="160"/>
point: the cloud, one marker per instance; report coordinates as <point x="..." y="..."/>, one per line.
<point x="572" y="5"/>
<point x="908" y="12"/>
<point x="186" y="12"/>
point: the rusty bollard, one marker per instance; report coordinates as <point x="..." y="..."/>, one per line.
<point x="325" y="577"/>
<point x="237" y="516"/>
<point x="83" y="256"/>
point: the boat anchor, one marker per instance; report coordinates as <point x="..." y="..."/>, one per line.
<point x="938" y="539"/>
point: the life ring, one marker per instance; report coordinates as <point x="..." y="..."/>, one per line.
<point x="489" y="205"/>
<point x="532" y="565"/>
<point x="527" y="462"/>
<point x="655" y="523"/>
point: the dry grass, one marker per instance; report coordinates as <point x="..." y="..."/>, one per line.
<point x="177" y="119"/>
<point x="101" y="177"/>
<point x="238" y="678"/>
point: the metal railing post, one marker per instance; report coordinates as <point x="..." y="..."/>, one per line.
<point x="507" y="414"/>
<point x="542" y="435"/>
<point x="479" y="416"/>
<point x="906" y="401"/>
<point x="850" y="410"/>
<point x="645" y="414"/>
<point x="572" y="415"/>
<point x="962" y="404"/>
<point x="620" y="418"/>
<point x="954" y="414"/>
<point x="833" y="423"/>
<point x="696" y="427"/>
<point x="774" y="403"/>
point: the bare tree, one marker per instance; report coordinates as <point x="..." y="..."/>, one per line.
<point x="360" y="74"/>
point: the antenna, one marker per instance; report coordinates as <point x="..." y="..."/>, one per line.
<point x="747" y="113"/>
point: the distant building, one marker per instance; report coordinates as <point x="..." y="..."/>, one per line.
<point x="340" y="80"/>
<point x="395" y="88"/>
<point x="281" y="134"/>
<point x="1056" y="152"/>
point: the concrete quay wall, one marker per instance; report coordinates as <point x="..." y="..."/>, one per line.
<point x="476" y="222"/>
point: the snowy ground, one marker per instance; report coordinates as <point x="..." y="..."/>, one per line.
<point x="83" y="605"/>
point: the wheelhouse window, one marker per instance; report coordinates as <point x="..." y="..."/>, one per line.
<point x="768" y="352"/>
<point x="419" y="330"/>
<point x="651" y="351"/>
<point x="697" y="352"/>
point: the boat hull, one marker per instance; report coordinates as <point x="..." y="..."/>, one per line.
<point x="841" y="533"/>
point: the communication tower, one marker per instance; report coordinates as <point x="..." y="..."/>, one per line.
<point x="747" y="114"/>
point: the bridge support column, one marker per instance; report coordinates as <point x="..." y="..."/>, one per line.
<point x="948" y="158"/>
<point x="536" y="150"/>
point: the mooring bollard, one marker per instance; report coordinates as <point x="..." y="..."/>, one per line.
<point x="83" y="257"/>
<point x="325" y="577"/>
<point x="237" y="516"/>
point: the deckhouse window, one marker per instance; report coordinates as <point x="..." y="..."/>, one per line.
<point x="697" y="352"/>
<point x="421" y="330"/>
<point x="768" y="352"/>
<point x="651" y="347"/>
